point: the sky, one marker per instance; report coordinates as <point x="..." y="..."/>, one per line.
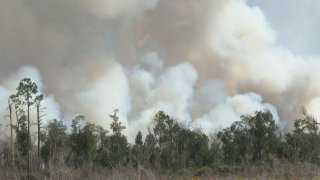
<point x="203" y="62"/>
<point x="296" y="23"/>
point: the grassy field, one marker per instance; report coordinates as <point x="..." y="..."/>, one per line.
<point x="276" y="170"/>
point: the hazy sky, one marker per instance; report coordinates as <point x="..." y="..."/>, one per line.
<point x="296" y="22"/>
<point x="204" y="62"/>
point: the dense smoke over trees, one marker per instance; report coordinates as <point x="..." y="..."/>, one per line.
<point x="195" y="60"/>
<point x="169" y="145"/>
<point x="206" y="84"/>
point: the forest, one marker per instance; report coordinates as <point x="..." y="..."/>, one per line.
<point x="254" y="147"/>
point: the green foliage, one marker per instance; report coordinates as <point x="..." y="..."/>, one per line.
<point x="137" y="149"/>
<point x="304" y="142"/>
<point x="178" y="146"/>
<point x="114" y="149"/>
<point x="138" y="139"/>
<point x="116" y="125"/>
<point x="262" y="129"/>
<point x="26" y="90"/>
<point x="169" y="146"/>
<point x="26" y="94"/>
<point x="251" y="139"/>
<point x="118" y="147"/>
<point x="76" y="124"/>
<point x="82" y="142"/>
<point x="54" y="141"/>
<point x="22" y="136"/>
<point x="151" y="151"/>
<point x="198" y="147"/>
<point x="38" y="99"/>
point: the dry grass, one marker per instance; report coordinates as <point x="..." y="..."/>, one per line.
<point x="278" y="170"/>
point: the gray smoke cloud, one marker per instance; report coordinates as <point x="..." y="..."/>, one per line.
<point x="204" y="62"/>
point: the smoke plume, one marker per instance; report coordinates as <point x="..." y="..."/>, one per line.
<point x="203" y="62"/>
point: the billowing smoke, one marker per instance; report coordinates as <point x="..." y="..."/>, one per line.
<point x="203" y="62"/>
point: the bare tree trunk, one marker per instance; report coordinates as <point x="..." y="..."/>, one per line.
<point x="139" y="172"/>
<point x="39" y="124"/>
<point x="11" y="127"/>
<point x="17" y="117"/>
<point x="38" y="101"/>
<point x="29" y="138"/>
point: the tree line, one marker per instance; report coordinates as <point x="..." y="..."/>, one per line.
<point x="171" y="146"/>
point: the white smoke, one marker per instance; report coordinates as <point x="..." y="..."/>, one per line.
<point x="171" y="91"/>
<point x="8" y="87"/>
<point x="243" y="38"/>
<point x="224" y="114"/>
<point x="109" y="92"/>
